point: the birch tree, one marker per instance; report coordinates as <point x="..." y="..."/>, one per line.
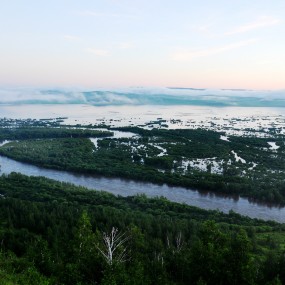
<point x="114" y="248"/>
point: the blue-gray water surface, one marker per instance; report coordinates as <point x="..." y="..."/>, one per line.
<point x="124" y="187"/>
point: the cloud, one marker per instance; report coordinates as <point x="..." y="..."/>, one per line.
<point x="36" y="96"/>
<point x="143" y="96"/>
<point x="189" y="55"/>
<point x="71" y="38"/>
<point x="126" y="45"/>
<point x="98" y="52"/>
<point x="106" y="15"/>
<point x="206" y="30"/>
<point x="262" y="22"/>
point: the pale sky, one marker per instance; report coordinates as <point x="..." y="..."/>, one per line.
<point x="120" y="43"/>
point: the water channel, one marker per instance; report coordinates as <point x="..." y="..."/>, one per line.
<point x="125" y="187"/>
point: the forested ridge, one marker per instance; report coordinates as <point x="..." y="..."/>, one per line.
<point x="53" y="233"/>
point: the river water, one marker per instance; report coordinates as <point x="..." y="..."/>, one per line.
<point x="231" y="120"/>
<point x="125" y="187"/>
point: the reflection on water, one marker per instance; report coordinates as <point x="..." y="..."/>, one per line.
<point x="201" y="199"/>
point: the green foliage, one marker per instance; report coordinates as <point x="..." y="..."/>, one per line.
<point x="55" y="229"/>
<point x="20" y="271"/>
<point x="261" y="177"/>
<point x="24" y="133"/>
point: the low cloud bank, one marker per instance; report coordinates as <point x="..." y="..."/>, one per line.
<point x="145" y="96"/>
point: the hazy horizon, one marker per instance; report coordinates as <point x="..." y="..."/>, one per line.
<point x="144" y="96"/>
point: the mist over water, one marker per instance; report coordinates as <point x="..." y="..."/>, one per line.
<point x="145" y="96"/>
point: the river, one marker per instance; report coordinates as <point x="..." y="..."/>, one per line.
<point x="125" y="187"/>
<point x="231" y="120"/>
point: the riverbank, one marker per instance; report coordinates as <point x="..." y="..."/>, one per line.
<point x="123" y="187"/>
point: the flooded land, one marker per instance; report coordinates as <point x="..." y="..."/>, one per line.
<point x="225" y="158"/>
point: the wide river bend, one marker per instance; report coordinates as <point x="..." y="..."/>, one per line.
<point x="125" y="187"/>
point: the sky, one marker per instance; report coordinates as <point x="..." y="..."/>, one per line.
<point x="123" y="43"/>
